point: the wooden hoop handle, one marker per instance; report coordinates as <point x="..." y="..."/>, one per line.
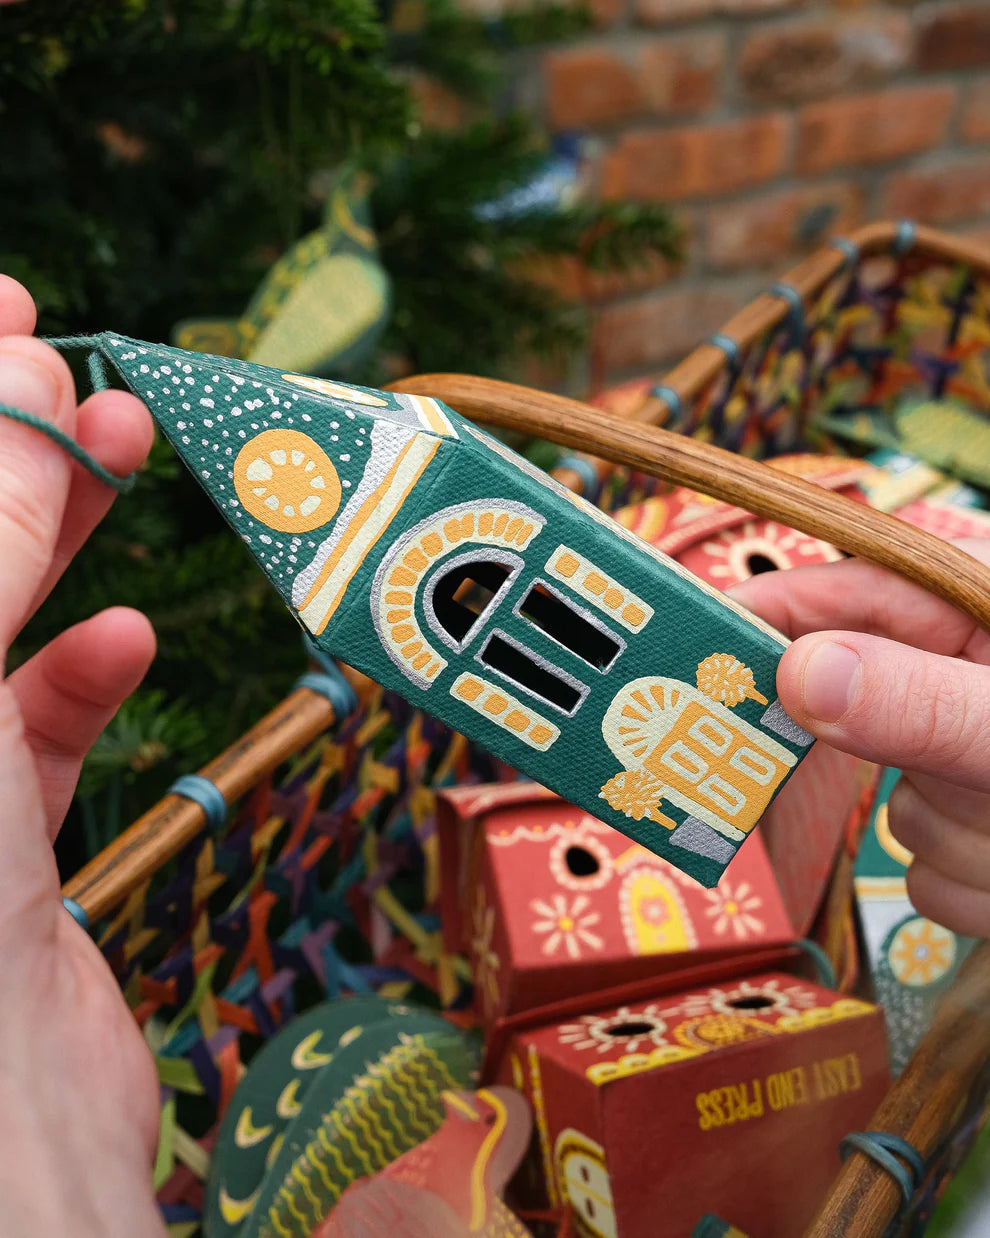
<point x="937" y="566"/>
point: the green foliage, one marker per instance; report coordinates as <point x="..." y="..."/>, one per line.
<point x="158" y="158"/>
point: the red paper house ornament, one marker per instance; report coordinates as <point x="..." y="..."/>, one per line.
<point x="675" y="1107"/>
<point x="549" y="902"/>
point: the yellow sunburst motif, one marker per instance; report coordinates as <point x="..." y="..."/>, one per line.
<point x="921" y="952"/>
<point x="286" y="481"/>
<point x="636" y="794"/>
<point x="336" y="391"/>
<point x="724" y="678"/>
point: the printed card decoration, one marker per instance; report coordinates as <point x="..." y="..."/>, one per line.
<point x="731" y="1099"/>
<point x="912" y="959"/>
<point x="427" y="555"/>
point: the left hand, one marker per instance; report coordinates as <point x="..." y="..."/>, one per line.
<point x="78" y="1089"/>
<point x="905" y="683"/>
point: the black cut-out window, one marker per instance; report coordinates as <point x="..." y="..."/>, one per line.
<point x="525" y="670"/>
<point x="552" y="615"/>
<point x="462" y="596"/>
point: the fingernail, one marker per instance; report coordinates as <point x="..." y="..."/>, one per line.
<point x="829" y="681"/>
<point x="27" y="385"/>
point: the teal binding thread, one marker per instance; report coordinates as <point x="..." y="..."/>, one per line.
<point x="75" y="911"/>
<point x="584" y="469"/>
<point x="69" y="445"/>
<point x="328" y="681"/>
<point x="884" y="1148"/>
<point x="204" y="793"/>
<point x="823" y="965"/>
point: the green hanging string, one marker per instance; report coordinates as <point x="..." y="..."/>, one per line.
<point x="69" y="445"/>
<point x="98" y="381"/>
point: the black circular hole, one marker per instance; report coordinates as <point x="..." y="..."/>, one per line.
<point x="632" y="1028"/>
<point x="751" y="1003"/>
<point x="760" y="563"/>
<point x="581" y="862"/>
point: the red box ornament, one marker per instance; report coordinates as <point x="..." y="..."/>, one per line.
<point x="549" y="902"/>
<point x="676" y="1107"/>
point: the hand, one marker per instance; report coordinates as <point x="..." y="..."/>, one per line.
<point x="78" y="1091"/>
<point x="908" y="686"/>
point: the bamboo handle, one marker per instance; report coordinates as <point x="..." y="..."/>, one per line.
<point x="921" y="1107"/>
<point x="165" y="829"/>
<point x="942" y="569"/>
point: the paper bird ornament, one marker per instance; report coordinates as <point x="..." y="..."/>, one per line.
<point x="449" y="1186"/>
<point x="325" y="1104"/>
<point x="322" y="305"/>
<point x="271" y="1095"/>
<point x="426" y="554"/>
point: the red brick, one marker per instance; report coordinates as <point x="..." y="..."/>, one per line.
<point x="662" y="12"/>
<point x="661" y="327"/>
<point x="756" y="8"/>
<point x="438" y="107"/>
<point x="787" y="63"/>
<point x="974" y="125"/>
<point x="872" y="128"/>
<point x="944" y="194"/>
<point x="573" y="281"/>
<point x="673" y="164"/>
<point x="682" y="75"/>
<point x="956" y="38"/>
<point x="591" y="86"/>
<point x="775" y="226"/>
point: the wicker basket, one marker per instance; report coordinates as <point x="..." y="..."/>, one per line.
<point x="324" y="875"/>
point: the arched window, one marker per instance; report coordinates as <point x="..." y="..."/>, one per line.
<point x="466" y="590"/>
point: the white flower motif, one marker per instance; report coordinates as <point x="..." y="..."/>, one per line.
<point x="486" y="961"/>
<point x="566" y="923"/>
<point x="733" y="910"/>
<point x="625" y="1029"/>
<point x="746" y="998"/>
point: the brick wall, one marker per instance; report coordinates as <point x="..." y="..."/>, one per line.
<point x="770" y="125"/>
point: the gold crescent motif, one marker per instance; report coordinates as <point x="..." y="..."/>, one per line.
<point x="287" y="1105"/>
<point x="247" y="1134"/>
<point x="304" y="1055"/>
<point x="235" y="1210"/>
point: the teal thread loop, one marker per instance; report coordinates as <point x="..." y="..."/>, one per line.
<point x="75" y="911"/>
<point x="823" y="964"/>
<point x="907" y="230"/>
<point x="884" y="1148"/>
<point x="584" y="469"/>
<point x="70" y="446"/>
<point x="848" y="248"/>
<point x="204" y="793"/>
<point x="328" y="681"/>
<point x="670" y="397"/>
<point x="726" y="343"/>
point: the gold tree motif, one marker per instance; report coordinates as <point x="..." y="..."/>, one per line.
<point x="636" y="794"/>
<point x="724" y="678"/>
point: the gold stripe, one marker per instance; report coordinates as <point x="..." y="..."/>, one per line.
<point x="478" y="1210"/>
<point x="360" y="519"/>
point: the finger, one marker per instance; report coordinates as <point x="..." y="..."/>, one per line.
<point x="117" y="430"/>
<point x="858" y="596"/>
<point x="934" y="834"/>
<point x="963" y="908"/>
<point x="34" y="473"/>
<point x="890" y="704"/>
<point x="69" y="692"/>
<point x="17" y="313"/>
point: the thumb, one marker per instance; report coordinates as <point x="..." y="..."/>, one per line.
<point x="891" y="704"/>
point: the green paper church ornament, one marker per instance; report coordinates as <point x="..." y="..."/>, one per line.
<point x="422" y="551"/>
<point x="912" y="959"/>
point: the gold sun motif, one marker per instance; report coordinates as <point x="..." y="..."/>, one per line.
<point x="724" y="678"/>
<point x="286" y="481"/>
<point x="921" y="952"/>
